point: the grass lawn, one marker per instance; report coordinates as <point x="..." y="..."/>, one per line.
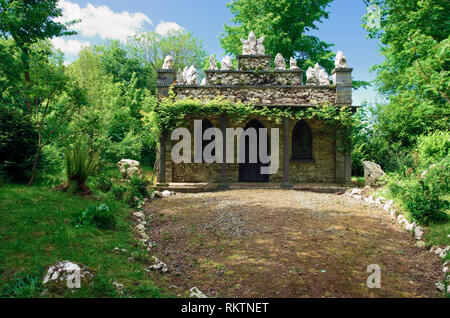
<point x="37" y="230"/>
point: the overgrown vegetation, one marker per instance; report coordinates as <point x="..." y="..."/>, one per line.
<point x="408" y="135"/>
<point x="39" y="228"/>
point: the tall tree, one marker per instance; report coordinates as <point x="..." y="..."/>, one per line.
<point x="415" y="75"/>
<point x="284" y="23"/>
<point x="28" y="22"/>
<point x="151" y="48"/>
<point x="56" y="98"/>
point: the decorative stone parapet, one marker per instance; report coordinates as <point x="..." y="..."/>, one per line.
<point x="254" y="62"/>
<point x="264" y="95"/>
<point x="289" y="77"/>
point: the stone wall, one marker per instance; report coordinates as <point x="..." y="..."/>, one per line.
<point x="261" y="95"/>
<point x="288" y="77"/>
<point x="254" y="62"/>
<point x="321" y="169"/>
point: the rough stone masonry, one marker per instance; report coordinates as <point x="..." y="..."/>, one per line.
<point x="256" y="82"/>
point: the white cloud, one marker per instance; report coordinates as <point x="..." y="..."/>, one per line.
<point x="165" y="27"/>
<point x="69" y="46"/>
<point x="102" y="21"/>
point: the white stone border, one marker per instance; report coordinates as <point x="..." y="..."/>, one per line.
<point x="416" y="230"/>
<point x="148" y="244"/>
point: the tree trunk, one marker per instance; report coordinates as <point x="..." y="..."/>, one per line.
<point x="33" y="173"/>
<point x="26" y="68"/>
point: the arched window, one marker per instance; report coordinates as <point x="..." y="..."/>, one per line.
<point x="302" y="141"/>
<point x="206" y="124"/>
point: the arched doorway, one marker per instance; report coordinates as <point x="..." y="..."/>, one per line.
<point x="251" y="172"/>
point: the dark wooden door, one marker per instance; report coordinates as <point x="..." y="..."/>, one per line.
<point x="251" y="172"/>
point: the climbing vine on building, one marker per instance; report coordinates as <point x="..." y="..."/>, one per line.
<point x="170" y="112"/>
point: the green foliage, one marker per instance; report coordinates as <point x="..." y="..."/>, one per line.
<point x="433" y="148"/>
<point x="30" y="21"/>
<point x="112" y="118"/>
<point x="11" y="83"/>
<point x="424" y="193"/>
<point x="81" y="162"/>
<point x="170" y="112"/>
<point x="132" y="192"/>
<point x="36" y="223"/>
<point x="150" y="49"/>
<point x="18" y="143"/>
<point x="285" y="24"/>
<point x="100" y="216"/>
<point x="415" y="73"/>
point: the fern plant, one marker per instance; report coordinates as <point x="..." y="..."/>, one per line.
<point x="81" y="162"/>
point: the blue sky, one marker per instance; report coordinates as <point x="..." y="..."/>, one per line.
<point x="116" y="19"/>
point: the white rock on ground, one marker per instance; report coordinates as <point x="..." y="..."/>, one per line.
<point x="444" y="252"/>
<point x="67" y="274"/>
<point x="196" y="293"/>
<point x="166" y="194"/>
<point x="420" y="244"/>
<point x="388" y="206"/>
<point x="418" y="232"/>
<point x="445" y="268"/>
<point x="139" y="215"/>
<point x="118" y="286"/>
<point x="159" y="265"/>
<point x="129" y="168"/>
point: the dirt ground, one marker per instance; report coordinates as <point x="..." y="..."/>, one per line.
<point x="277" y="243"/>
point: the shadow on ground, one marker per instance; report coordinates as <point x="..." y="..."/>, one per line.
<point x="276" y="243"/>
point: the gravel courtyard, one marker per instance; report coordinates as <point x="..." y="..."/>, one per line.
<point x="277" y="243"/>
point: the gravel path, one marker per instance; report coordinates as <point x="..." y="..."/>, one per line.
<point x="276" y="243"/>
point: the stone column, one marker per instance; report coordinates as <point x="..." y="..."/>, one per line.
<point x="165" y="79"/>
<point x="162" y="160"/>
<point x="223" y="175"/>
<point x="342" y="78"/>
<point x="286" y="182"/>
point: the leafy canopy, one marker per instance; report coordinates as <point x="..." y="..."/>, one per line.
<point x="30" y="21"/>
<point x="415" y="75"/>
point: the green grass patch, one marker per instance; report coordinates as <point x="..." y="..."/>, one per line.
<point x="37" y="230"/>
<point x="437" y="232"/>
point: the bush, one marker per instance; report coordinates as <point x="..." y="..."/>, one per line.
<point x="101" y="217"/>
<point x="424" y="195"/>
<point x="132" y="192"/>
<point x="81" y="162"/>
<point x="18" y="144"/>
<point x="433" y="148"/>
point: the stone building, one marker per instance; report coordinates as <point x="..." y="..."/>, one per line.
<point x="309" y="152"/>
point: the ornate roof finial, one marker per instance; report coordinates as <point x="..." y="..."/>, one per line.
<point x="253" y="46"/>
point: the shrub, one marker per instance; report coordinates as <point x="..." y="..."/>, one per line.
<point x="132" y="191"/>
<point x="100" y="216"/>
<point x="104" y="180"/>
<point x="18" y="144"/>
<point x="81" y="162"/>
<point x="424" y="195"/>
<point x="433" y="148"/>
